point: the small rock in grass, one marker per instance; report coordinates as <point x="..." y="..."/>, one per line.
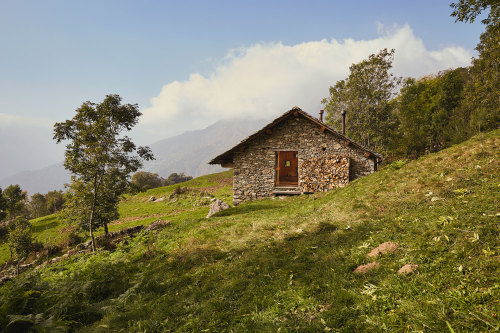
<point x="217" y="206"/>
<point x="407" y="269"/>
<point x="386" y="247"/>
<point x="151" y="199"/>
<point x="363" y="269"/>
<point x="160" y="199"/>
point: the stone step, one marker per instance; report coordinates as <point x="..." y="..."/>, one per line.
<point x="286" y="192"/>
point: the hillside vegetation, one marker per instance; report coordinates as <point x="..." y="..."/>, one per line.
<point x="288" y="265"/>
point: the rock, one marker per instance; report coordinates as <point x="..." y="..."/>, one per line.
<point x="407" y="269"/>
<point x="160" y="199"/>
<point x="151" y="199"/>
<point x="177" y="190"/>
<point x="387" y="247"/>
<point x="363" y="269"/>
<point x="217" y="206"/>
<point x="160" y="224"/>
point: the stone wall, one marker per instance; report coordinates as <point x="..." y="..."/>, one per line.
<point x="254" y="168"/>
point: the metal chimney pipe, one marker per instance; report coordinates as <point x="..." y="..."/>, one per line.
<point x="343" y="122"/>
<point x="321" y="115"/>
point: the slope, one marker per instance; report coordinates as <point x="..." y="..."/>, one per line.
<point x="287" y="265"/>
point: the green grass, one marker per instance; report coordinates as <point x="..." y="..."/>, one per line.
<point x="136" y="210"/>
<point x="287" y="265"/>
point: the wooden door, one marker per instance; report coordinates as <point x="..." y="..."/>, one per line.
<point x="287" y="168"/>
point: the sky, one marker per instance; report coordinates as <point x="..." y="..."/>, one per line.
<point x="189" y="64"/>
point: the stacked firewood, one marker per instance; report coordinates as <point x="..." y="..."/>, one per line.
<point x="324" y="173"/>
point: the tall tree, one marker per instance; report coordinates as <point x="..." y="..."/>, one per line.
<point x="100" y="158"/>
<point x="38" y="205"/>
<point x="469" y="10"/>
<point x="365" y="96"/>
<point x="55" y="201"/>
<point x="429" y="112"/>
<point x="482" y="93"/>
<point x="3" y="206"/>
<point x="15" y="199"/>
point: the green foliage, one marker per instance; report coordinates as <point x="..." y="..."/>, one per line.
<point x="78" y="201"/>
<point x="3" y="206"/>
<point x="365" y="97"/>
<point x="100" y="159"/>
<point x="430" y="113"/>
<point x="143" y="181"/>
<point x="38" y="205"/>
<point x="482" y="93"/>
<point x="20" y="240"/>
<point x="468" y="10"/>
<point x="54" y="201"/>
<point x="175" y="178"/>
<point x="15" y="201"/>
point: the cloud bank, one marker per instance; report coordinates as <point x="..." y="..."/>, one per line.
<point x="267" y="79"/>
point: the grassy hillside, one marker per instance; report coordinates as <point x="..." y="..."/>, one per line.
<point x="287" y="265"/>
<point x="136" y="210"/>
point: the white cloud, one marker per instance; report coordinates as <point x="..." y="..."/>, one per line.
<point x="267" y="79"/>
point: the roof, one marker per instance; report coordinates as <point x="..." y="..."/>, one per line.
<point x="227" y="157"/>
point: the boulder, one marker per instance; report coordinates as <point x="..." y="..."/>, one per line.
<point x="217" y="206"/>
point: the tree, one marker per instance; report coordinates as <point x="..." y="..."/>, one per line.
<point x="482" y="93"/>
<point x="430" y="113"/>
<point x="100" y="158"/>
<point x="143" y="181"/>
<point x="20" y="241"/>
<point x="3" y="206"/>
<point x="38" y="205"/>
<point x="15" y="199"/>
<point x="55" y="201"/>
<point x="175" y="178"/>
<point x="469" y="10"/>
<point x="365" y="96"/>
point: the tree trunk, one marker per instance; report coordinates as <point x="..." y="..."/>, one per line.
<point x="91" y="222"/>
<point x="106" y="230"/>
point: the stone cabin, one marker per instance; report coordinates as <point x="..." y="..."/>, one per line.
<point x="294" y="154"/>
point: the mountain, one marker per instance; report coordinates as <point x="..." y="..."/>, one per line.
<point x="52" y="177"/>
<point x="188" y="152"/>
<point x="191" y="151"/>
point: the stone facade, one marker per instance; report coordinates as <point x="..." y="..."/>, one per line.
<point x="325" y="160"/>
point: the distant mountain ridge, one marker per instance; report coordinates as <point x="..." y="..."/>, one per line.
<point x="188" y="152"/>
